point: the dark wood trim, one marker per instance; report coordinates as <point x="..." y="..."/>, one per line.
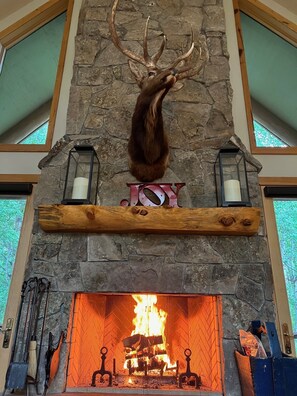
<point x="244" y="76"/>
<point x="271" y="19"/>
<point x="148" y="220"/>
<point x="278" y="25"/>
<point x="31" y="22"/>
<point x="59" y="76"/>
<point x="15" y="178"/>
<point x="278" y="181"/>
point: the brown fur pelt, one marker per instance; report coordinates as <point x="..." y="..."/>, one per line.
<point x="148" y="144"/>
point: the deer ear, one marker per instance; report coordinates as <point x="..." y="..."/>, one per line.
<point x="136" y="71"/>
<point x="177" y="86"/>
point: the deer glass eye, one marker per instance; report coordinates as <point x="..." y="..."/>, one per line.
<point x="151" y="74"/>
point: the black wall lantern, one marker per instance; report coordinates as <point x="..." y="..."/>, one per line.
<point x="82" y="176"/>
<point x="231" y="177"/>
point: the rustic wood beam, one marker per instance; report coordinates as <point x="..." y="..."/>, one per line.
<point x="144" y="219"/>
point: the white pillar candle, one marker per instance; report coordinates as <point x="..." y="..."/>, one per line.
<point x="80" y="188"/>
<point x="232" y="190"/>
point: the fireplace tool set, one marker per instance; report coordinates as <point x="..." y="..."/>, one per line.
<point x="144" y="365"/>
<point x="26" y="350"/>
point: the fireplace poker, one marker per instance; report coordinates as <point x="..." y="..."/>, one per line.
<point x="32" y="368"/>
<point x="46" y="284"/>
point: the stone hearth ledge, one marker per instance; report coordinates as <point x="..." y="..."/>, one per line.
<point x="145" y="219"/>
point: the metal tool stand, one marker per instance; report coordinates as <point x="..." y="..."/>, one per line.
<point x="102" y="370"/>
<point x="33" y="291"/>
<point x="188" y="372"/>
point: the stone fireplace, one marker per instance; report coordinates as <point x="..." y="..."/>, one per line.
<point x="191" y="324"/>
<point x="215" y="285"/>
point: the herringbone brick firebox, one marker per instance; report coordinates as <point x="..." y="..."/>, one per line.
<point x="192" y="322"/>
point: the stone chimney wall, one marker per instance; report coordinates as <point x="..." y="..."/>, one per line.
<point x="198" y="119"/>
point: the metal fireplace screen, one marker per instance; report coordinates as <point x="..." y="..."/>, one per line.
<point x="102" y="320"/>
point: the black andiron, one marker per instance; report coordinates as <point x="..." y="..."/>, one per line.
<point x="188" y="372"/>
<point x="102" y="370"/>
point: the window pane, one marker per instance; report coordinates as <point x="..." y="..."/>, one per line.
<point x="11" y="219"/>
<point x="271" y="62"/>
<point x="27" y="80"/>
<point x="264" y="138"/>
<point x="38" y="136"/>
<point x="286" y="220"/>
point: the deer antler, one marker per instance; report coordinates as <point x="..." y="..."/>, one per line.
<point x="148" y="143"/>
<point x="188" y="71"/>
<point x="146" y="60"/>
<point x="150" y="62"/>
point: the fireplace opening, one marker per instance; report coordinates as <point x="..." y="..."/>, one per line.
<point x="151" y="341"/>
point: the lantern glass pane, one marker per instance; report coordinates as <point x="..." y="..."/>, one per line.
<point x="82" y="175"/>
<point x="218" y="180"/>
<point x="243" y="181"/>
<point x="78" y="175"/>
<point x="94" y="179"/>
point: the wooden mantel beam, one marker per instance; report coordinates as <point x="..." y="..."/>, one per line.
<point x="149" y="220"/>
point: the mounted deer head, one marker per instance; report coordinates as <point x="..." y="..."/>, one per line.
<point x="148" y="144"/>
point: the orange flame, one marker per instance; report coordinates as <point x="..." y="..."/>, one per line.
<point x="150" y="321"/>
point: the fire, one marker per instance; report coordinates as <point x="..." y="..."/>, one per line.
<point x="149" y="320"/>
<point x="146" y="348"/>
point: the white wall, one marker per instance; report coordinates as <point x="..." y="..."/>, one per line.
<point x="27" y="163"/>
<point x="273" y="165"/>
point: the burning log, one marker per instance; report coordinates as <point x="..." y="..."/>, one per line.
<point x="140" y="342"/>
<point x="146" y="350"/>
<point x="145" y="353"/>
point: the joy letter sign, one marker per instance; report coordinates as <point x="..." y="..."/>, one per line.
<point x="153" y="194"/>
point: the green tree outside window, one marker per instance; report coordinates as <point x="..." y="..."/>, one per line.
<point x="286" y="220"/>
<point x="11" y="219"/>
